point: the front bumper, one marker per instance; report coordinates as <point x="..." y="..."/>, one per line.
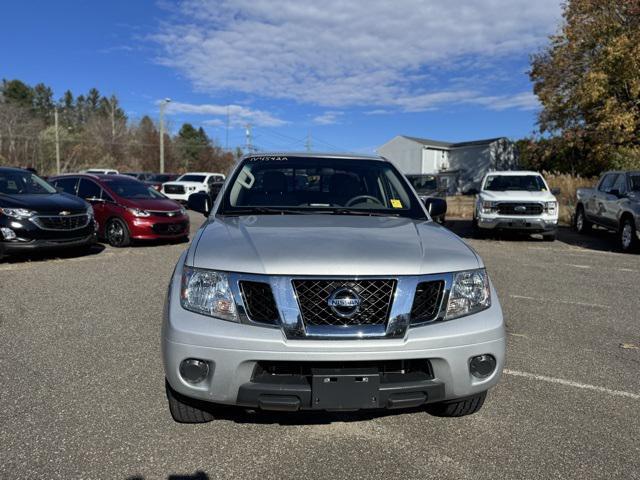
<point x="46" y="244"/>
<point x="233" y="352"/>
<point x="156" y="228"/>
<point x="520" y="223"/>
<point x="181" y="197"/>
<point x="30" y="237"/>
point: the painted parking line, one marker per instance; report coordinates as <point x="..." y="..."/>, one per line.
<point x="571" y="383"/>
<point x="567" y="302"/>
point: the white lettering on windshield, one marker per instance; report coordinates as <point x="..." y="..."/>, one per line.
<point x="267" y="159"/>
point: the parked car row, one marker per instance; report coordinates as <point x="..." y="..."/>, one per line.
<point x="76" y="210"/>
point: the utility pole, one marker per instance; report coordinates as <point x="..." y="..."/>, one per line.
<point x="113" y="118"/>
<point x="226" y="143"/>
<point x="163" y="104"/>
<point x="55" y="117"/>
<point x="248" y="138"/>
<point x="308" y="142"/>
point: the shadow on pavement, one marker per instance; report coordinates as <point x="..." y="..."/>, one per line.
<point x="196" y="476"/>
<point x="62" y="253"/>
<point x="262" y="417"/>
<point x="598" y="239"/>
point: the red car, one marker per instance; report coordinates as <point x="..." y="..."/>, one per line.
<point x="127" y="209"/>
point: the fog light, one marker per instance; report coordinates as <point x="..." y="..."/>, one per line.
<point x="8" y="234"/>
<point x="482" y="366"/>
<point x="194" y="371"/>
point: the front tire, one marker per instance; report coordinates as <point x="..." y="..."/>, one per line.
<point x="458" y="407"/>
<point x="186" y="410"/>
<point x="117" y="233"/>
<point x="549" y="237"/>
<point x="627" y="235"/>
<point x="581" y="224"/>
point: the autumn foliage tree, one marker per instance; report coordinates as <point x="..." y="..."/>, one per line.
<point x="588" y="82"/>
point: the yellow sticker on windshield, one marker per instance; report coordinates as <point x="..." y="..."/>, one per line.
<point x="395" y="203"/>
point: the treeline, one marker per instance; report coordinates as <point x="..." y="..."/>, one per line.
<point x="94" y="131"/>
<point x="588" y="82"/>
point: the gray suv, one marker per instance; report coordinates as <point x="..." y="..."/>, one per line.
<point x="320" y="282"/>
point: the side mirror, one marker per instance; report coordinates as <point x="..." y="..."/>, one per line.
<point x="199" y="202"/>
<point x="436" y="207"/>
<point x="555" y="191"/>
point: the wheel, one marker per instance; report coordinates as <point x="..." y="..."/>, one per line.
<point x="458" y="407"/>
<point x="117" y="233"/>
<point x="628" y="239"/>
<point x="549" y="237"/>
<point x="187" y="410"/>
<point x="581" y="224"/>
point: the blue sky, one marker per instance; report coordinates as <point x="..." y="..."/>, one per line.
<point x="350" y="74"/>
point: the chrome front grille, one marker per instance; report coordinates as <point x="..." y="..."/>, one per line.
<point x="519" y="208"/>
<point x="301" y="307"/>
<point x="375" y="298"/>
<point x="61" y="222"/>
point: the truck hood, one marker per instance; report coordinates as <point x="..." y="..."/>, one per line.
<point x="329" y="245"/>
<point x="184" y="184"/>
<point x="517" y="196"/>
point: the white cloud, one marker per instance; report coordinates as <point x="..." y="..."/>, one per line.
<point x="328" y="118"/>
<point x="238" y="114"/>
<point x="333" y="53"/>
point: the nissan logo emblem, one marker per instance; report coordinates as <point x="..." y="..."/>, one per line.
<point x="344" y="302"/>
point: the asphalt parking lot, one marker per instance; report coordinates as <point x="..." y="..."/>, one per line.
<point x="83" y="391"/>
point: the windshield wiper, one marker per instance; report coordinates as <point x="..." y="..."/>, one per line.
<point x="347" y="211"/>
<point x="265" y="211"/>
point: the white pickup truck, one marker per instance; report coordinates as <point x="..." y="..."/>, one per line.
<point x="516" y="201"/>
<point x="181" y="189"/>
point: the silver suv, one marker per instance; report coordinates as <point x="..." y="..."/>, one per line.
<point x="320" y="282"/>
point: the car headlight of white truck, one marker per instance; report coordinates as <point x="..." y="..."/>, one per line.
<point x="207" y="292"/>
<point x="470" y="293"/>
<point x="551" y="207"/>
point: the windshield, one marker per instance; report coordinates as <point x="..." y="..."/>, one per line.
<point x="17" y="182"/>
<point x="634" y="182"/>
<point x="319" y="185"/>
<point x="528" y="183"/>
<point x="192" y="178"/>
<point x="423" y="183"/>
<point x="132" y="190"/>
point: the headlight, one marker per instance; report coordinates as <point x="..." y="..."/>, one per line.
<point x="183" y="211"/>
<point x="551" y="207"/>
<point x="470" y="293"/>
<point x="90" y="210"/>
<point x="191" y="189"/>
<point x="139" y="213"/>
<point x="17" y="212"/>
<point x="207" y="292"/>
<point x="488" y="207"/>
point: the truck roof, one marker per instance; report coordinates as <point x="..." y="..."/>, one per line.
<point x="346" y="155"/>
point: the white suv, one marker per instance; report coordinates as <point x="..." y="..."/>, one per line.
<point x="190" y="183"/>
<point x="517" y="201"/>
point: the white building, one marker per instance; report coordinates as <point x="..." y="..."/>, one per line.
<point x="460" y="166"/>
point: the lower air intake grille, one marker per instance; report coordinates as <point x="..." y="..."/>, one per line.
<point x="259" y="301"/>
<point x="427" y="300"/>
<point x="374" y="296"/>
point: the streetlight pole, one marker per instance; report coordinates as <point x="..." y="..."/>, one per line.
<point x="55" y="116"/>
<point x="163" y="104"/>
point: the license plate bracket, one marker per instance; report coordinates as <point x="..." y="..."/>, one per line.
<point x="345" y="389"/>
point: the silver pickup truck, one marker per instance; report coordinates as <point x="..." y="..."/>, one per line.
<point x="320" y="282"/>
<point x="614" y="204"/>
